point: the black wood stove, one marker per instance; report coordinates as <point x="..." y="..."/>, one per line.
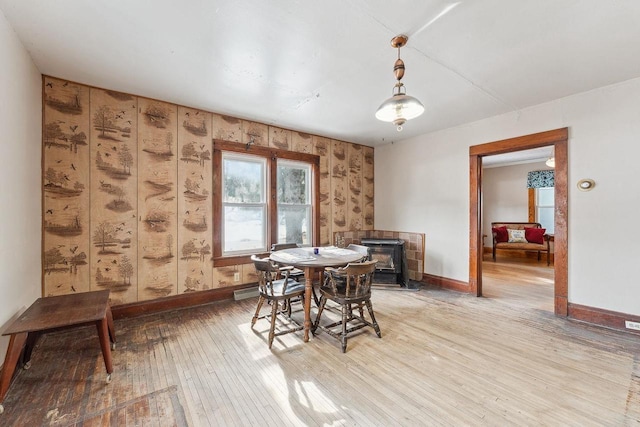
<point x="392" y="263"/>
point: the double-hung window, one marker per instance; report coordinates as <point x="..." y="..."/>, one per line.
<point x="545" y="207"/>
<point x="262" y="196"/>
<point x="294" y="202"/>
<point x="244" y="203"/>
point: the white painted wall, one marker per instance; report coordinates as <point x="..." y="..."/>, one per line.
<point x="505" y="196"/>
<point x="20" y="177"/>
<point x="422" y="185"/>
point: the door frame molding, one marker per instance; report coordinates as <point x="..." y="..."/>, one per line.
<point x="558" y="138"/>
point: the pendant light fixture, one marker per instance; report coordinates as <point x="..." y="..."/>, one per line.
<point x="551" y="161"/>
<point x="400" y="107"/>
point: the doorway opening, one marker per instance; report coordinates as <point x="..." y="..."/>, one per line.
<point x="558" y="139"/>
<point x="516" y="192"/>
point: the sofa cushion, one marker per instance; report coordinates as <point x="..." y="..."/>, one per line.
<point x="501" y="234"/>
<point x="535" y="235"/>
<point x="516" y="236"/>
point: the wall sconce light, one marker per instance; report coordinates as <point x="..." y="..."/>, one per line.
<point x="586" y="184"/>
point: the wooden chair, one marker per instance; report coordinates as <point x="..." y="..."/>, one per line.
<point x="280" y="246"/>
<point x="364" y="250"/>
<point x="295" y="273"/>
<point x="278" y="292"/>
<point x="350" y="287"/>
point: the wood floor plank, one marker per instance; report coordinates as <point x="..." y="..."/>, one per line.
<point x="445" y="359"/>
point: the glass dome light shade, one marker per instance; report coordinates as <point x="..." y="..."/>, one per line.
<point x="399" y="107"/>
<point x="551" y="162"/>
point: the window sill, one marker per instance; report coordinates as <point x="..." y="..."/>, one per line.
<point x="235" y="260"/>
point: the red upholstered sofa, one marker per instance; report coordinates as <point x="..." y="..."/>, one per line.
<point x="535" y="240"/>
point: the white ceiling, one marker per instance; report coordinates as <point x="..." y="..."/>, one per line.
<point x="541" y="154"/>
<point x="324" y="67"/>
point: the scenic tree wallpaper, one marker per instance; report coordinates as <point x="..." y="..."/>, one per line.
<point x="127" y="187"/>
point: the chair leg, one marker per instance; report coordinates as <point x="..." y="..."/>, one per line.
<point x="548" y="258"/>
<point x="316" y="299"/>
<point x="255" y="316"/>
<point x="494" y="254"/>
<point x="343" y="335"/>
<point x="373" y="319"/>
<point x="272" y="330"/>
<point x="538" y="256"/>
<point x="288" y="306"/>
<point x="323" y="301"/>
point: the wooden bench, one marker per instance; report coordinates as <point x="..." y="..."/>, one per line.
<point x="52" y="313"/>
<point x="524" y="246"/>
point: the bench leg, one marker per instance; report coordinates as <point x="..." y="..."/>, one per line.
<point x="112" y="331"/>
<point x="103" y="334"/>
<point x="32" y="339"/>
<point x="16" y="343"/>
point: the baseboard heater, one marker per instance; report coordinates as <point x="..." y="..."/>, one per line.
<point x="245" y="293"/>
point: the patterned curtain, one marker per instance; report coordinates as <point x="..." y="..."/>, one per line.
<point x="540" y="179"/>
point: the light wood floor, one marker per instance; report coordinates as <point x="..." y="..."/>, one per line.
<point x="519" y="282"/>
<point x="445" y="358"/>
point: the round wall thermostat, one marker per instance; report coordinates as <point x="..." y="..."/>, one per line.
<point x="586" y="184"/>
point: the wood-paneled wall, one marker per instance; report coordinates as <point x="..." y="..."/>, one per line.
<point x="127" y="192"/>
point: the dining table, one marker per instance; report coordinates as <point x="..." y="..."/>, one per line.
<point x="313" y="260"/>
